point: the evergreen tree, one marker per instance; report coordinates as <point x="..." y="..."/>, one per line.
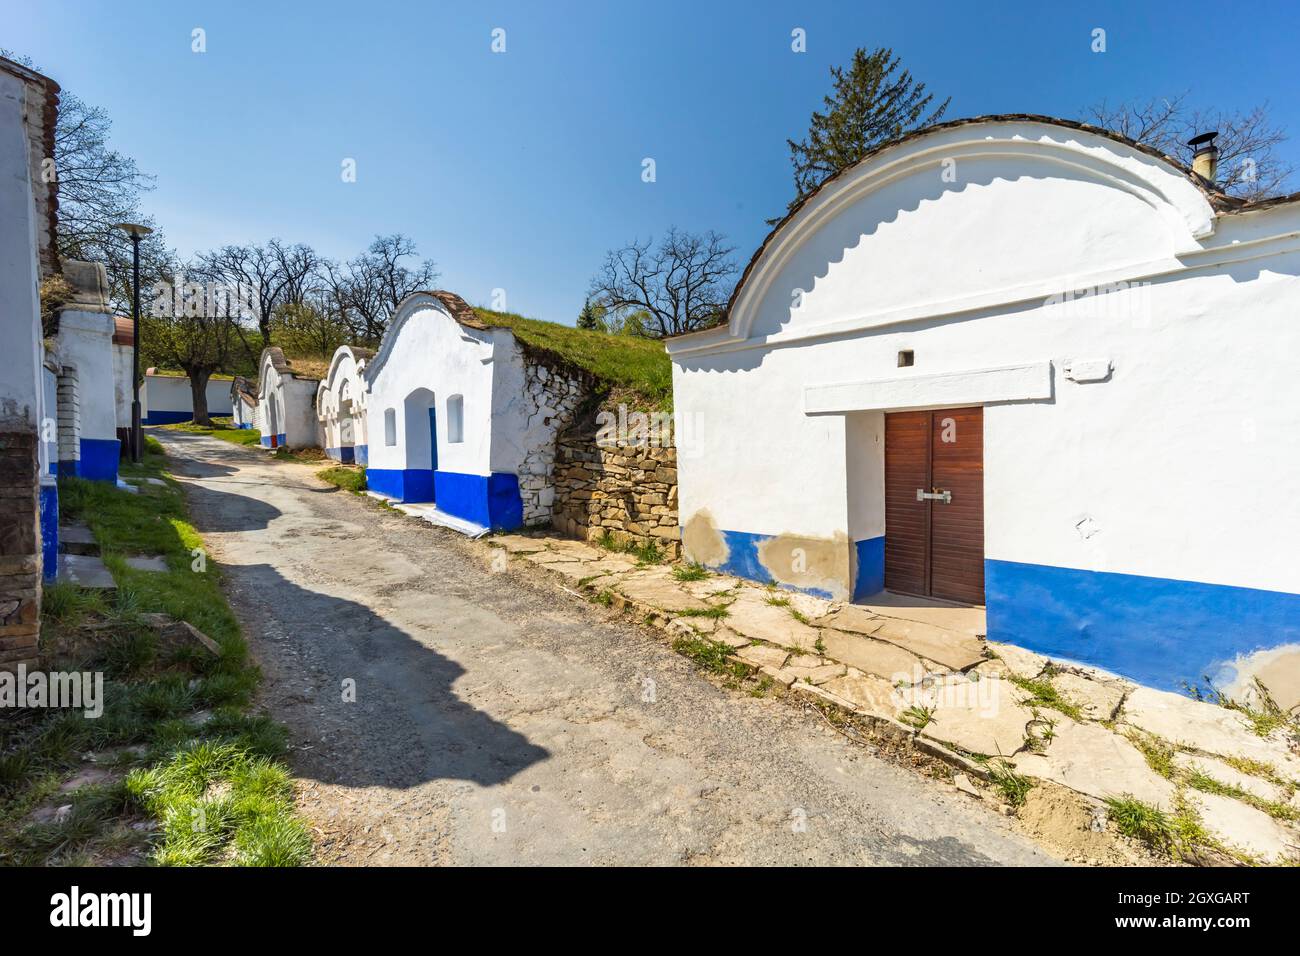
<point x="589" y="318"/>
<point x="874" y="101"/>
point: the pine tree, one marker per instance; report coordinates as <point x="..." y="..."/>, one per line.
<point x="589" y="318"/>
<point x="874" y="101"/>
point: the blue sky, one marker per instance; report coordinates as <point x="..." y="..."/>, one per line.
<point x="517" y="170"/>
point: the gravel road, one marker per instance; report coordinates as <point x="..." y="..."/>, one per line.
<point x="499" y="719"/>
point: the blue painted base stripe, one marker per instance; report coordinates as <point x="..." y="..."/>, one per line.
<point x="69" y="469"/>
<point x="99" y="458"/>
<point x="869" y="568"/>
<point x="162" y="417"/>
<point x="743" y="561"/>
<point x="1157" y="631"/>
<point x="363" y="454"/>
<point x="49" y="530"/>
<point x="346" y="453"/>
<point x="492" y="501"/>
<point x="403" y="484"/>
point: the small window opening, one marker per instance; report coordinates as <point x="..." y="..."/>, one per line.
<point x="456" y="419"/>
<point x="906" y="358"/>
<point x="390" y="426"/>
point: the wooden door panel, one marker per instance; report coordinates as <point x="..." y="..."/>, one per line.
<point x="934" y="547"/>
<point x="907" y="523"/>
<point x="957" y="527"/>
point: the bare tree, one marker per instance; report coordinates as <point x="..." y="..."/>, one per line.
<point x="274" y="274"/>
<point x="682" y="284"/>
<point x="99" y="188"/>
<point x="366" y="290"/>
<point x="194" y="330"/>
<point x="1249" y="164"/>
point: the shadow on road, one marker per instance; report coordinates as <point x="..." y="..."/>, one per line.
<point x="405" y="724"/>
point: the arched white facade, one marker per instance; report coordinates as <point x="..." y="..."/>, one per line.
<point x="1128" y="339"/>
<point x="286" y="414"/>
<point x="462" y="417"/>
<point x="341" y="406"/>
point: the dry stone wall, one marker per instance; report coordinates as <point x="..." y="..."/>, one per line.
<point x="552" y="397"/>
<point x="627" y="490"/>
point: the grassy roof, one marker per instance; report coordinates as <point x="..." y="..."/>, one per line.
<point x="637" y="366"/>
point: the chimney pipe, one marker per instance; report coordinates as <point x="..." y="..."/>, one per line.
<point x="1205" y="161"/>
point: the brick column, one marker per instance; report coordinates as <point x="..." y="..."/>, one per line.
<point x="69" y="423"/>
<point x="20" y="558"/>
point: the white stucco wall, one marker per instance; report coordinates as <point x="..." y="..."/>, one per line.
<point x="432" y="352"/>
<point x="1194" y="407"/>
<point x="289" y="404"/>
<point x="85" y="341"/>
<point x="172" y="393"/>
<point x="122" y="391"/>
<point x="1161" y="469"/>
<point x="341" y="401"/>
<point x="20" y="372"/>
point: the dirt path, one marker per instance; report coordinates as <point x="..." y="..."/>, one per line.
<point x="499" y="720"/>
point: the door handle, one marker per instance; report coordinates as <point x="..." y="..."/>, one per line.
<point x="944" y="496"/>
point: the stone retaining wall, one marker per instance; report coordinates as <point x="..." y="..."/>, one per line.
<point x="551" y="398"/>
<point x="629" y="491"/>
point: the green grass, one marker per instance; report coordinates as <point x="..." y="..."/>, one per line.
<point x="219" y="429"/>
<point x="1141" y="821"/>
<point x="710" y="655"/>
<point x="1043" y="694"/>
<point x="690" y="572"/>
<point x="347" y="477"/>
<point x="645" y="553"/>
<point x="716" y="612"/>
<point x="917" y="716"/>
<point x="1159" y="754"/>
<point x="1014" y="786"/>
<point x="152" y="691"/>
<point x="638" y="366"/>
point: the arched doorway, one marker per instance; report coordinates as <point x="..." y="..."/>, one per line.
<point x="421" y="443"/>
<point x="275" y="420"/>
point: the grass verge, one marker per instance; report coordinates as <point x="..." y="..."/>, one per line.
<point x="174" y="771"/>
<point x="220" y="428"/>
<point x="348" y="477"/>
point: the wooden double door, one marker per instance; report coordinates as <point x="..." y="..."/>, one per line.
<point x="934" y="503"/>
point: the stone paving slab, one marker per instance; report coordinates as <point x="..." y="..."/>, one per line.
<point x="865" y="692"/>
<point x="982" y="718"/>
<point x="761" y="655"/>
<point x="88" y="571"/>
<point x="1021" y="662"/>
<point x="77" y="538"/>
<point x="818" y="674"/>
<point x="1098" y="763"/>
<point x="518" y="543"/>
<point x="1205" y="727"/>
<point x="752" y="616"/>
<point x="1242" y="827"/>
<point x="1229" y="775"/>
<point x="949" y="648"/>
<point x="659" y="590"/>
<point x="875" y="657"/>
<point x="1097" y="700"/>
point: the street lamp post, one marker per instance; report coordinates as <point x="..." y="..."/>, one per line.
<point x="136" y="232"/>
